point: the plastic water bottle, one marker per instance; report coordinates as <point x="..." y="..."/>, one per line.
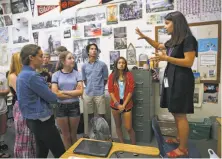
<point x="212" y="153"/>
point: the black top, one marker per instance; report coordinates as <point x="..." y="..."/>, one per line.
<point x="178" y="97"/>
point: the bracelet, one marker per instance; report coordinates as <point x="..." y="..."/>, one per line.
<point x="116" y="104"/>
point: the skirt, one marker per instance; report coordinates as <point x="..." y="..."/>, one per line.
<point x="25" y="146"/>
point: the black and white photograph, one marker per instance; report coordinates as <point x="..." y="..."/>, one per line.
<point x="67" y="33"/>
<point x="45" y="24"/>
<point x="91" y="17"/>
<point x="131" y="55"/>
<point x="2" y="21"/>
<point x="79" y="50"/>
<point x="5" y="7"/>
<point x="20" y="31"/>
<point x="120" y="32"/>
<point x="120" y="43"/>
<point x="159" y="5"/>
<point x="107" y="31"/>
<point x="92" y="30"/>
<point x="114" y="55"/>
<point x="131" y="10"/>
<point x="210" y="93"/>
<point x="19" y="6"/>
<point x="68" y="21"/>
<point x="49" y="41"/>
<point x="120" y="38"/>
<point x="35" y="37"/>
<point x="4" y="35"/>
<point x="8" y="20"/>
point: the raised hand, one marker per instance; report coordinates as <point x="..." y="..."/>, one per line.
<point x="141" y="35"/>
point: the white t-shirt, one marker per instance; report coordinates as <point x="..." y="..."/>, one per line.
<point x="3" y="86"/>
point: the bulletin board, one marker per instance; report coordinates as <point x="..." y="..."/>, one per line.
<point x="208" y="62"/>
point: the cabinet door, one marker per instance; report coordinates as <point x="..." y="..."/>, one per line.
<point x="143" y="131"/>
<point x="142" y="95"/>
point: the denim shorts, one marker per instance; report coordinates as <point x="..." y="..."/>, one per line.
<point x="68" y="110"/>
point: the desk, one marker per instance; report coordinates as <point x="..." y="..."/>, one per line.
<point x="145" y="150"/>
<point x="219" y="120"/>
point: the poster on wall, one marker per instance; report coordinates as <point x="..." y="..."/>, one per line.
<point x="91" y="17"/>
<point x="131" y="10"/>
<point x="211" y="93"/>
<point x="120" y="38"/>
<point x="4" y="38"/>
<point x="112" y="14"/>
<point x="200" y="10"/>
<point x="5" y="7"/>
<point x="156" y="19"/>
<point x="92" y="30"/>
<point x="42" y="9"/>
<point x="8" y="20"/>
<point x="159" y="5"/>
<point x="2" y="21"/>
<point x="68" y="21"/>
<point x="66" y="4"/>
<point x="54" y="23"/>
<point x="20" y="31"/>
<point x="79" y="49"/>
<point x="19" y="6"/>
<point x="67" y="33"/>
<point x="208" y="50"/>
<point x="131" y="55"/>
<point x="114" y="55"/>
<point x="4" y="55"/>
<point x="107" y="31"/>
<point x="36" y="37"/>
<point x="49" y="41"/>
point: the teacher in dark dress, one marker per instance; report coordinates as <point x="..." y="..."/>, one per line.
<point x="178" y="83"/>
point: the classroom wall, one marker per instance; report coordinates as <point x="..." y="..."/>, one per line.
<point x="106" y="43"/>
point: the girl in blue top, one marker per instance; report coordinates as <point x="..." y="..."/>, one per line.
<point x="67" y="85"/>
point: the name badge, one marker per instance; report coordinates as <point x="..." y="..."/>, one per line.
<point x="166" y="83"/>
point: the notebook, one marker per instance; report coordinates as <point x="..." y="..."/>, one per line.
<point x="93" y="148"/>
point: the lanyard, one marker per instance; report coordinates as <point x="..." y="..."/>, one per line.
<point x="170" y="51"/>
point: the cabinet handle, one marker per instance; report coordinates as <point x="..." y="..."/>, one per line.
<point x="139" y="115"/>
<point x="139" y="82"/>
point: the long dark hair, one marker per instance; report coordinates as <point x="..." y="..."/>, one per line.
<point x="180" y="28"/>
<point x="62" y="58"/>
<point x="116" y="70"/>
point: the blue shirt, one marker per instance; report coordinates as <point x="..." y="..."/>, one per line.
<point x="67" y="82"/>
<point x="95" y="74"/>
<point x="33" y="94"/>
<point x="121" y="89"/>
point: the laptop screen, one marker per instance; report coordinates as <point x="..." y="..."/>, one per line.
<point x="93" y="148"/>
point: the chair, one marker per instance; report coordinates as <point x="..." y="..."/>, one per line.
<point x="165" y="147"/>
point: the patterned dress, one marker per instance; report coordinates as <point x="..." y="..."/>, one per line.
<point x="25" y="146"/>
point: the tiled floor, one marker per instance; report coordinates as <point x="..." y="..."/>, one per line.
<point x="202" y="145"/>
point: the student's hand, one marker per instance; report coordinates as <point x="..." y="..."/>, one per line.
<point x="78" y="87"/>
<point x="121" y="108"/>
<point x="160" y="56"/>
<point x="141" y="35"/>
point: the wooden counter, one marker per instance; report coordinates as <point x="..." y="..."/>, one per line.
<point x="145" y="150"/>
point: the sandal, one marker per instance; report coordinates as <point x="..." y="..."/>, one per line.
<point x="4" y="155"/>
<point x="174" y="154"/>
<point x="172" y="141"/>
